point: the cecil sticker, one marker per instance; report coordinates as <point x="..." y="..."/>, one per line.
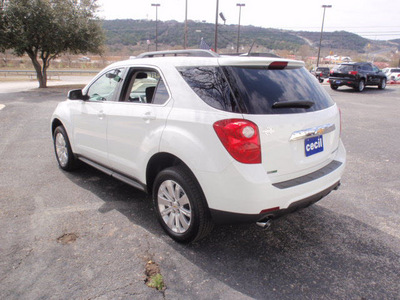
<point x="314" y="145"/>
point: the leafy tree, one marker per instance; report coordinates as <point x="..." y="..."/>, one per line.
<point x="44" y="29"/>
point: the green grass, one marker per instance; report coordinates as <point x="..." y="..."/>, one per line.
<point x="157" y="282"/>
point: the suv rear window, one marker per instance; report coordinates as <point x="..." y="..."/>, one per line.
<point x="346" y="68"/>
<point x="253" y="90"/>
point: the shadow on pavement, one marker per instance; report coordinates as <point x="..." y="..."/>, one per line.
<point x="314" y="253"/>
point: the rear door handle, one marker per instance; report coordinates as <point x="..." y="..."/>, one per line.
<point x="148" y="116"/>
<point x="101" y="115"/>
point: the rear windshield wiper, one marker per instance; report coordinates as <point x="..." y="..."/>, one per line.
<point x="293" y="104"/>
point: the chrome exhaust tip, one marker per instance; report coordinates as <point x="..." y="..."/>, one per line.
<point x="264" y="224"/>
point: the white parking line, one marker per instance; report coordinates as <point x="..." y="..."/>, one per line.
<point x="2" y="106"/>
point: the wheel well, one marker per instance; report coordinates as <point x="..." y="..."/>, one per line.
<point x="157" y="163"/>
<point x="55" y="124"/>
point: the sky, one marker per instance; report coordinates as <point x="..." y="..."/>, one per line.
<point x="372" y="19"/>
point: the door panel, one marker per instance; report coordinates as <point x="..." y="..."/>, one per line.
<point x="90" y="117"/>
<point x="136" y="122"/>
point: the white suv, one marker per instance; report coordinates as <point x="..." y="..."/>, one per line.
<point x="392" y="74"/>
<point x="213" y="138"/>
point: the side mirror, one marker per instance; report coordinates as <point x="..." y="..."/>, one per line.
<point x="76" y="95"/>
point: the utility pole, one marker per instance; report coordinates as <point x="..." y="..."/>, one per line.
<point x="186" y="29"/>
<point x="156" y="5"/>
<point x="322" y="29"/>
<point x="216" y="29"/>
<point x="238" y="35"/>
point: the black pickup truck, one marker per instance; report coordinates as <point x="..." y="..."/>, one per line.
<point x="357" y="75"/>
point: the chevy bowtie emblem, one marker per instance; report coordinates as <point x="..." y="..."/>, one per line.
<point x="320" y="131"/>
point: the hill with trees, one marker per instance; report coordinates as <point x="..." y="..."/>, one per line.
<point x="171" y="34"/>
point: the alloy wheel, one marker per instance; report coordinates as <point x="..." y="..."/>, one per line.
<point x="174" y="206"/>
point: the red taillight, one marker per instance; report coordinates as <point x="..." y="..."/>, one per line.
<point x="241" y="139"/>
<point x="331" y="71"/>
<point x="264" y="211"/>
<point x="353" y="72"/>
<point x="277" y="65"/>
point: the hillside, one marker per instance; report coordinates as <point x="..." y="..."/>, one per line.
<point x="171" y="34"/>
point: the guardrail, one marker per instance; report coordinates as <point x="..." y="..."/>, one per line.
<point x="54" y="73"/>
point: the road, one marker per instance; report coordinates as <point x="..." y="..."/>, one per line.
<point x="347" y="246"/>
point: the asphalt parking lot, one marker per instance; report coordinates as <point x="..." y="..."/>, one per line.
<point x="347" y="246"/>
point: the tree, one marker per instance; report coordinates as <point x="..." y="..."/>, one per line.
<point x="44" y="29"/>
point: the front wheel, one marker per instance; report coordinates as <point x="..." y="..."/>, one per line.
<point x="382" y="84"/>
<point x="62" y="148"/>
<point x="180" y="205"/>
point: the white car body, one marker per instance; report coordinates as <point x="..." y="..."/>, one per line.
<point x="392" y="74"/>
<point x="122" y="139"/>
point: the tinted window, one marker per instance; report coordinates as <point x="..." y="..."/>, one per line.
<point x="254" y="90"/>
<point x="210" y="84"/>
<point x="259" y="88"/>
<point x="161" y="95"/>
<point x="346" y="68"/>
<point x="366" y="68"/>
<point x="395" y="70"/>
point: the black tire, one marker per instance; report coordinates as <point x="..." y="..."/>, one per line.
<point x="185" y="219"/>
<point x="62" y="148"/>
<point x="334" y="87"/>
<point x="382" y="84"/>
<point x="361" y="86"/>
<point x="321" y="80"/>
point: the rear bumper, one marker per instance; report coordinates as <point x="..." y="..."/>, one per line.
<point x="246" y="193"/>
<point x="223" y="217"/>
<point x="343" y="81"/>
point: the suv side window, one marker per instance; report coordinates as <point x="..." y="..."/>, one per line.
<point x="104" y="87"/>
<point x="366" y="67"/>
<point x="210" y="84"/>
<point x="161" y="95"/>
<point x="375" y="69"/>
<point x="144" y="86"/>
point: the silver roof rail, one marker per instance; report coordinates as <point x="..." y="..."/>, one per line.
<point x="193" y="53"/>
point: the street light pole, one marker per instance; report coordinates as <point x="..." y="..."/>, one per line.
<point x="186" y="29"/>
<point x="216" y="29"/>
<point x="322" y="29"/>
<point x="240" y="12"/>
<point x="156" y="6"/>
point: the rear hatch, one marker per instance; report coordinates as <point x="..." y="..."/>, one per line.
<point x="344" y="71"/>
<point x="325" y="71"/>
<point x="298" y="122"/>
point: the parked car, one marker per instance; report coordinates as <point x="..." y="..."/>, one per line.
<point x="357" y="75"/>
<point x="84" y="59"/>
<point x="321" y="73"/>
<point x="213" y="139"/>
<point x="392" y="74"/>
